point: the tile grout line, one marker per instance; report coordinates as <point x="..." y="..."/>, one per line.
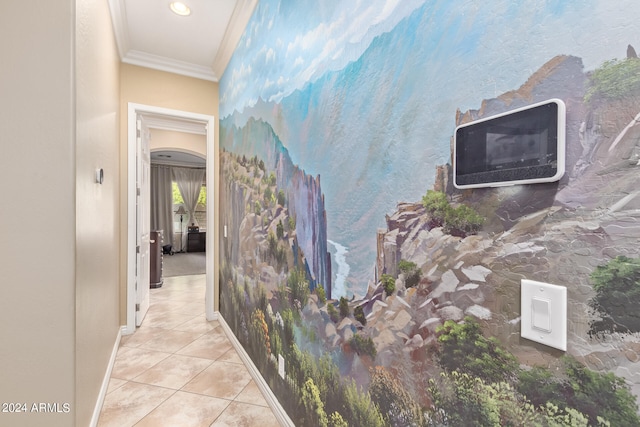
<point x="182" y="298"/>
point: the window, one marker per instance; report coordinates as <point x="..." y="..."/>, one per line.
<point x="201" y="208"/>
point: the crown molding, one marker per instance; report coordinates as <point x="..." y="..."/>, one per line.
<point x="143" y="59"/>
<point x="120" y="30"/>
<point x="239" y="19"/>
<point x="241" y="15"/>
<point x="157" y="121"/>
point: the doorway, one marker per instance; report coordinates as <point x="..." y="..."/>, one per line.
<point x="204" y="122"/>
<point x="179" y="155"/>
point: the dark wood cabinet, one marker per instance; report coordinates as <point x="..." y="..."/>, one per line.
<point x="155" y="261"/>
<point x="197" y="242"/>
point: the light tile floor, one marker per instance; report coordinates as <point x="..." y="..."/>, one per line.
<point x="177" y="369"/>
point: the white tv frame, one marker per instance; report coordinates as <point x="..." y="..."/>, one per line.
<point x="560" y="148"/>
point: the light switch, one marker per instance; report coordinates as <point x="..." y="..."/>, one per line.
<point x="544" y="313"/>
<point x="541" y="314"/>
<point x="281" y="366"/>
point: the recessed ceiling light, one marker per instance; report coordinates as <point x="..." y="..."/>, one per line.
<point x="180" y="8"/>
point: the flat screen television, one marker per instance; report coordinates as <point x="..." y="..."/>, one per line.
<point x="522" y="146"/>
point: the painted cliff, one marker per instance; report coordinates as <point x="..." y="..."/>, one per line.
<point x="264" y="188"/>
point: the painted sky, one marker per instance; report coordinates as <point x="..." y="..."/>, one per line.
<point x="289" y="43"/>
<point x="285" y="46"/>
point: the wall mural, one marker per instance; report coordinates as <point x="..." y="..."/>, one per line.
<point x="368" y="290"/>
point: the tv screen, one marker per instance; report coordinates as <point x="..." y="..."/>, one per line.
<point x="523" y="146"/>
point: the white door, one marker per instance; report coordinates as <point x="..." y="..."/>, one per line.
<point x="143" y="219"/>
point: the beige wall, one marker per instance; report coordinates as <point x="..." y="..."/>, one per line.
<point x="158" y="89"/>
<point x="46" y="328"/>
<point x="38" y="257"/>
<point x="97" y="206"/>
<point x="178" y="141"/>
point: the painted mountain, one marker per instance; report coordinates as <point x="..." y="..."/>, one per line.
<point x="420" y="321"/>
<point x="367" y="165"/>
<point x="413" y="349"/>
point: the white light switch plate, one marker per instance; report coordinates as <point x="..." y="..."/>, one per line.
<point x="281" y="365"/>
<point x="544" y="313"/>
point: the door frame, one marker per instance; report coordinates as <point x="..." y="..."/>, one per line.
<point x="143" y="217"/>
<point x="208" y="121"/>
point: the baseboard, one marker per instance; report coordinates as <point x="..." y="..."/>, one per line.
<point x="271" y="398"/>
<point x="107" y="377"/>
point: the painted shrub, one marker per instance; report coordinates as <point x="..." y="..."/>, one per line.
<point x="391" y="297"/>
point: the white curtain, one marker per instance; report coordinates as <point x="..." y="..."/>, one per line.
<point x="189" y="182"/>
<point x="162" y="202"/>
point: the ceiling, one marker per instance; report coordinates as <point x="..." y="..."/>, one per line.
<point x="150" y="35"/>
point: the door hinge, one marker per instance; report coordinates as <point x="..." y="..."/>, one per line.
<point x="137" y="249"/>
<point x="138" y="191"/>
<point x="137" y="307"/>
